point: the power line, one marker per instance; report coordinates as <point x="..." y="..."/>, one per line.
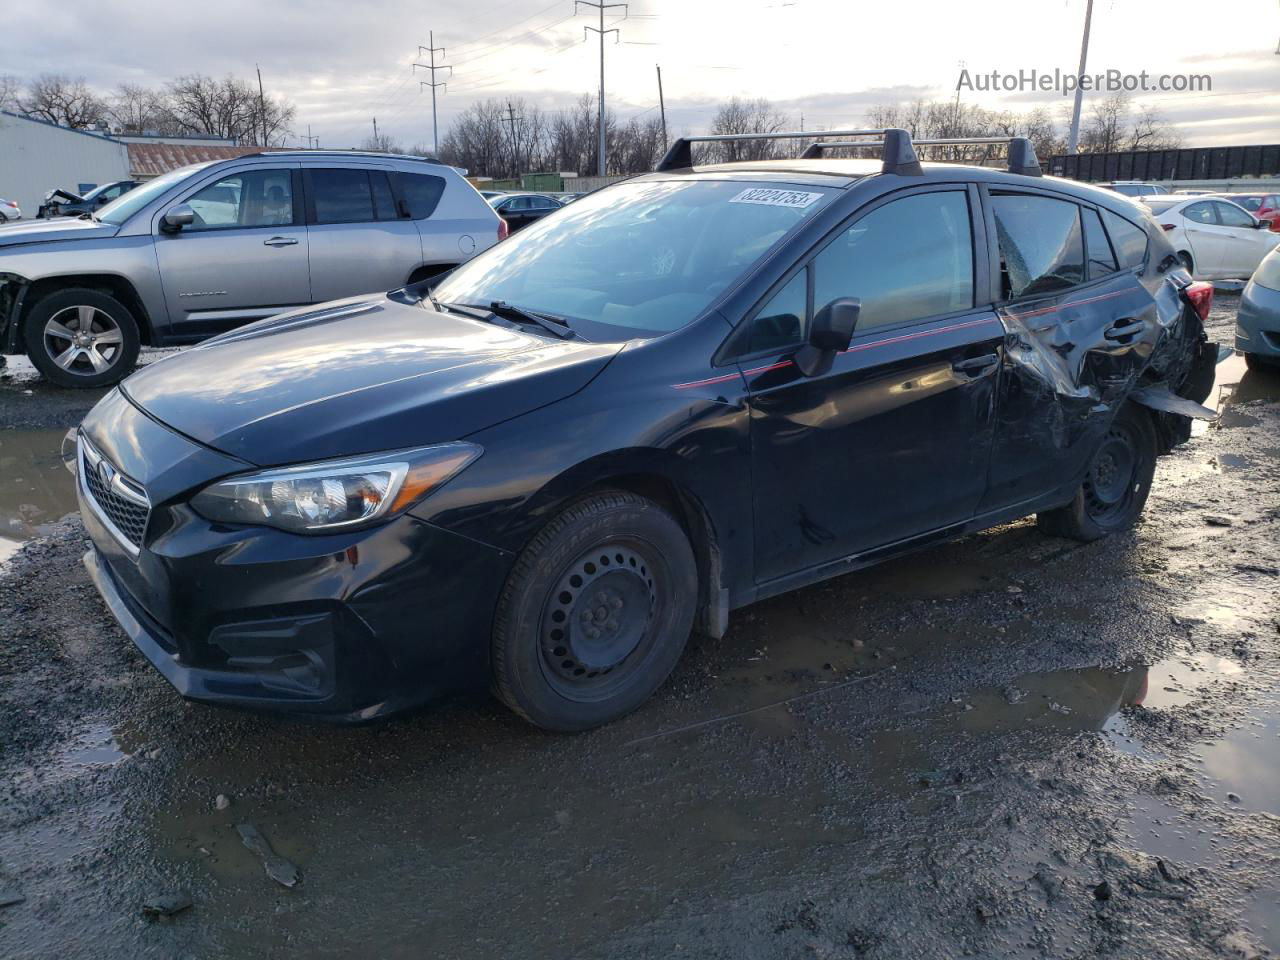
<point x="601" y="8"/>
<point x="433" y="83"/>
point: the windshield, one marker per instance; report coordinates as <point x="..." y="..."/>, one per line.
<point x="97" y="190"/>
<point x="125" y="206"/>
<point x="639" y="258"/>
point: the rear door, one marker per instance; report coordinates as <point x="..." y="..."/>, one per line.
<point x="363" y="239"/>
<point x="1209" y="246"/>
<point x="893" y="441"/>
<point x="244" y="256"/>
<point x="1078" y="337"/>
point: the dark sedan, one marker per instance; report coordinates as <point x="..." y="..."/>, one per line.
<point x="522" y="209"/>
<point x="685" y="393"/>
<point x="65" y="203"/>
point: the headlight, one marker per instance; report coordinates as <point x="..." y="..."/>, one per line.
<point x="335" y="494"/>
<point x="1268" y="272"/>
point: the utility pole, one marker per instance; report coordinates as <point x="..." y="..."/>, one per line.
<point x="601" y="8"/>
<point x="312" y="142"/>
<point x="432" y="83"/>
<point x="512" y="119"/>
<point x="1074" y="139"/>
<point x="662" y="107"/>
<point x="262" y="106"/>
<point x="376" y="142"/>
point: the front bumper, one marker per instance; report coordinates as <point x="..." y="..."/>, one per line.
<point x="344" y="627"/>
<point x="1258" y="322"/>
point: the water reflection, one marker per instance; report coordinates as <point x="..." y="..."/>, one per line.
<point x="35" y="487"/>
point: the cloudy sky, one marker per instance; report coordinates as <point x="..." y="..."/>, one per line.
<point x="344" y="62"/>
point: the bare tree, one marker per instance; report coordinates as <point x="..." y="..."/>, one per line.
<point x="748" y="116"/>
<point x="382" y="143"/>
<point x="63" y="100"/>
<point x="136" y="109"/>
<point x="10" y="87"/>
<point x="1105" y="131"/>
<point x="1151" y="131"/>
<point x="229" y="107"/>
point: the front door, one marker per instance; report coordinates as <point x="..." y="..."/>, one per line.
<point x="894" y="440"/>
<point x="244" y="256"/>
<point x="1244" y="243"/>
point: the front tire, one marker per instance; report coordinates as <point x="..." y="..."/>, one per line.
<point x="1116" y="486"/>
<point x="595" y="614"/>
<point x="82" y="338"/>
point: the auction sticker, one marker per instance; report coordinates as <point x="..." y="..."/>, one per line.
<point x="777" y="198"/>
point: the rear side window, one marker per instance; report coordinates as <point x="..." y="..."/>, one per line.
<point x="384" y="203"/>
<point x="1101" y="260"/>
<point x="342" y="196"/>
<point x="1128" y="240"/>
<point x="1041" y="250"/>
<point x="1201" y="212"/>
<point x="422" y="192"/>
<point x="907" y="260"/>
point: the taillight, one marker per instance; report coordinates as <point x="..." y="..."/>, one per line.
<point x="1169" y="226"/>
<point x="1200" y="296"/>
<point x="504" y="229"/>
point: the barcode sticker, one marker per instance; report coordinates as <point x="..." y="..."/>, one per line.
<point x="777" y="198"/>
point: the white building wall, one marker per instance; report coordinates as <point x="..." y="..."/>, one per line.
<point x="36" y="157"/>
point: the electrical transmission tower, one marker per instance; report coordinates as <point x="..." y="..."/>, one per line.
<point x="433" y="83"/>
<point x="512" y="119"/>
<point x="601" y="8"/>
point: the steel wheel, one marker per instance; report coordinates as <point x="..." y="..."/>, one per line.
<point x="83" y="340"/>
<point x="598" y="619"/>
<point x="1112" y="481"/>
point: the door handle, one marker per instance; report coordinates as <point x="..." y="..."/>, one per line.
<point x="280" y="242"/>
<point x="976" y="367"/>
<point x="1124" y="330"/>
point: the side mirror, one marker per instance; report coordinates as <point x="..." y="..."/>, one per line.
<point x="829" y="334"/>
<point x="176" y="218"/>
<point x="1264" y="224"/>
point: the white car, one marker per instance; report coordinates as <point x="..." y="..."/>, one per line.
<point x="9" y="210"/>
<point x="1215" y="239"/>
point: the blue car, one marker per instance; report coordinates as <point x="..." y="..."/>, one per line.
<point x="1258" y="323"/>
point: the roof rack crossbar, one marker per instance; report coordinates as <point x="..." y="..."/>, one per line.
<point x="1022" y="155"/>
<point x="896" y="151"/>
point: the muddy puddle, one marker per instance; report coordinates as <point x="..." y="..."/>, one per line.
<point x="36" y="489"/>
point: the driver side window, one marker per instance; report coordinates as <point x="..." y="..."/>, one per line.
<point x="1232" y="216"/>
<point x="254" y="198"/>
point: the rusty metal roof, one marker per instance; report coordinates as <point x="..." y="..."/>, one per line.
<point x="153" y="159"/>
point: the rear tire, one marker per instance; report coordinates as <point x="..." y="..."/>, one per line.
<point x="595" y="614"/>
<point x="1116" y="486"/>
<point x="82" y="338"/>
<point x="1260" y="364"/>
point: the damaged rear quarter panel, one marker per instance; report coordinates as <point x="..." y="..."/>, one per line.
<point x="1070" y="360"/>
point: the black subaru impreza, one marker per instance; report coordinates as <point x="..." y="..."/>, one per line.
<point x="682" y="394"/>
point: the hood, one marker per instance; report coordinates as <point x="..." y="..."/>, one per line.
<point x="59" y="195"/>
<point x="59" y="228"/>
<point x="358" y="376"/>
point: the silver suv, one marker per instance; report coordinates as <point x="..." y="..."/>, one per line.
<point x="215" y="245"/>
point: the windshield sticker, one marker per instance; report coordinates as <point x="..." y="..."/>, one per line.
<point x="777" y="198"/>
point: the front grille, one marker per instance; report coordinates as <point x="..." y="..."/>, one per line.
<point x="120" y="501"/>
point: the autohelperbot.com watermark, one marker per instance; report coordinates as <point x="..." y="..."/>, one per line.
<point x="1066" y="83"/>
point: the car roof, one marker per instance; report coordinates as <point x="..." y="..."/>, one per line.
<point x="844" y="172"/>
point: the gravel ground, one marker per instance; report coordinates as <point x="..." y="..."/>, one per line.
<point x="1010" y="746"/>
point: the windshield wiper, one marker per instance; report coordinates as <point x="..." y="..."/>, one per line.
<point x="510" y="311"/>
